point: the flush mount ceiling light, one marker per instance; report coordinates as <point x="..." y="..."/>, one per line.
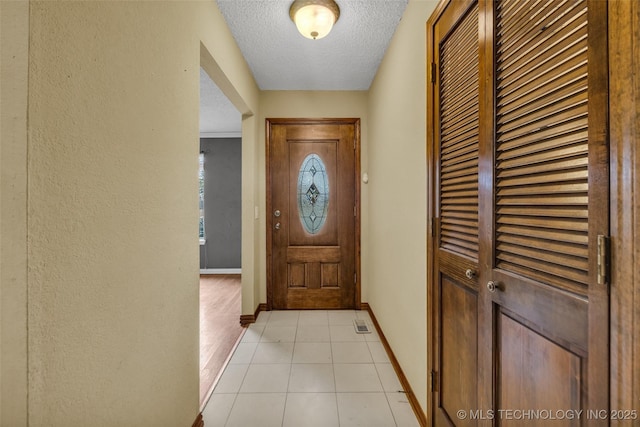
<point x="314" y="18"/>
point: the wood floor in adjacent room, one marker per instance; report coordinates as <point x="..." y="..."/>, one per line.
<point x="220" y="308"/>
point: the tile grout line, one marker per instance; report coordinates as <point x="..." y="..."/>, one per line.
<point x="286" y="393"/>
<point x="333" y="368"/>
<point x="235" y="398"/>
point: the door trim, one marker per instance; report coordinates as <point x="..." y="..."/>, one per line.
<point x="269" y="218"/>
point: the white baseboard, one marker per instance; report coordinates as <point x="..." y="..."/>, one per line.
<point x="220" y="271"/>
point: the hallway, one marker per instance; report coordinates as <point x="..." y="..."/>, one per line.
<point x="309" y="368"/>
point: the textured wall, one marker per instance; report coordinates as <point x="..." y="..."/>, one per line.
<point x="303" y="104"/>
<point x="222" y="199"/>
<point x="14" y="39"/>
<point x="397" y="195"/>
<point x="112" y="206"/>
<point x="113" y="265"/>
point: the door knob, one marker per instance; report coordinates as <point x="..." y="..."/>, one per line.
<point x="493" y="286"/>
<point x="470" y="273"/>
<point x="276" y="213"/>
<point x="277" y="226"/>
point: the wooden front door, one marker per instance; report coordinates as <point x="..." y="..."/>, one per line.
<point x="313" y="213"/>
<point x="521" y="213"/>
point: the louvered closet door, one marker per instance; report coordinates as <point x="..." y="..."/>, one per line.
<point x="456" y="258"/>
<point x="543" y="317"/>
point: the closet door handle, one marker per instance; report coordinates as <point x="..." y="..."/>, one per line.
<point x="470" y="273"/>
<point x="493" y="286"/>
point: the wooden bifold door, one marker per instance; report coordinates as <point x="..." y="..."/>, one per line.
<point x="519" y="212"/>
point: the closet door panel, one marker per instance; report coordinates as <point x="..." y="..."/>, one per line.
<point x="520" y="205"/>
<point x="456" y="65"/>
<point x="544" y="210"/>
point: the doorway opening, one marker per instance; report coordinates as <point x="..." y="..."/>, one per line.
<point x="220" y="160"/>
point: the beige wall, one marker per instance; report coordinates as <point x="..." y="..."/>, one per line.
<point x="14" y="39"/>
<point x="224" y="63"/>
<point x="397" y="195"/>
<point x="311" y="104"/>
<point x="106" y="191"/>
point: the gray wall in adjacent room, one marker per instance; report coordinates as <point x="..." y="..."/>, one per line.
<point x="222" y="202"/>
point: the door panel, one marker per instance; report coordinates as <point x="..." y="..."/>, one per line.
<point x="540" y="235"/>
<point x="541" y="213"/>
<point x="456" y="225"/>
<point x="528" y="361"/>
<point x="459" y="350"/>
<point x="312" y="206"/>
<point x="520" y="198"/>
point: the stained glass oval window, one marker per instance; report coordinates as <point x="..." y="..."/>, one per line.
<point x="313" y="193"/>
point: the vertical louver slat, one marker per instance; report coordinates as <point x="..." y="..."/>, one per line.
<point x="541" y="141"/>
<point x="459" y="138"/>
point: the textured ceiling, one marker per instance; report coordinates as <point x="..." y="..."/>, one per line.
<point x="280" y="58"/>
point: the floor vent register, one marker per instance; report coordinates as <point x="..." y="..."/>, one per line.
<point x="361" y="326"/>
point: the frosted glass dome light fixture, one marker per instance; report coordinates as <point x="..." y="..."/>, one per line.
<point x="314" y="18"/>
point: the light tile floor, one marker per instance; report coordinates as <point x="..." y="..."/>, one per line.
<point x="309" y="368"/>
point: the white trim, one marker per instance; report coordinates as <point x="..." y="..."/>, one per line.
<point x="220" y="134"/>
<point x="220" y="271"/>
